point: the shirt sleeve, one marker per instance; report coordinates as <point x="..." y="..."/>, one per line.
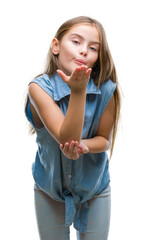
<point x="29" y="114"/>
<point x="45" y="83"/>
<point x="107" y="90"/>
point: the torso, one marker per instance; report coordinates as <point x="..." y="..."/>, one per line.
<point x="36" y="119"/>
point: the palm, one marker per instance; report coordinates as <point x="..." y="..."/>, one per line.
<point x="78" y="79"/>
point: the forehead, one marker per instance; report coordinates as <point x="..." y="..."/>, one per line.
<point x="86" y="30"/>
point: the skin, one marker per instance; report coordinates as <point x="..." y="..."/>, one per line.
<point x="77" y="53"/>
<point x="80" y="43"/>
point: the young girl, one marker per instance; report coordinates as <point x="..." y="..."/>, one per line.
<point x="74" y="109"/>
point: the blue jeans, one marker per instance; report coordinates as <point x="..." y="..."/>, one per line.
<point x="50" y="216"/>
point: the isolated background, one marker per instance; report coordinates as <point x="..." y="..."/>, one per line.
<point x="27" y="28"/>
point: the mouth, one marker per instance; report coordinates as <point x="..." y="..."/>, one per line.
<point x="80" y="61"/>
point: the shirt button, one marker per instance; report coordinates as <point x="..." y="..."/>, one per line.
<point x="69" y="176"/>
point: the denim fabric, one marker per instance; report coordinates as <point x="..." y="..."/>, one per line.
<point x="50" y="216"/>
<point x="63" y="179"/>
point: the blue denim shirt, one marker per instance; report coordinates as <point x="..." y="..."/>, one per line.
<point x="72" y="181"/>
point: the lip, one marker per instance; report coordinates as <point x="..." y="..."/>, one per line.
<point x="81" y="61"/>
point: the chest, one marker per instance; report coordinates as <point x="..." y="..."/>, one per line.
<point x="91" y="112"/>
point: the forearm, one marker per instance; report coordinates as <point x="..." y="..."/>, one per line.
<point x="71" y="128"/>
<point x="96" y="144"/>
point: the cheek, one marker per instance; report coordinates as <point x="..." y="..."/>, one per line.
<point x="93" y="60"/>
<point x="67" y="51"/>
<point x="96" y="57"/>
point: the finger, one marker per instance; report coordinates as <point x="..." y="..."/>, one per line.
<point x="71" y="146"/>
<point x="65" y="148"/>
<point x="72" y="151"/>
<point x="83" y="73"/>
<point x="76" y="143"/>
<point x="83" y="67"/>
<point x="88" y="72"/>
<point x="75" y="73"/>
<point x="75" y="154"/>
<point x="75" y="157"/>
<point x="75" y="150"/>
<point x="79" y="152"/>
<point x="61" y="146"/>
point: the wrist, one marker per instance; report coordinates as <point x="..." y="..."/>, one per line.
<point x="96" y="144"/>
<point x="78" y="91"/>
<point x="84" y="142"/>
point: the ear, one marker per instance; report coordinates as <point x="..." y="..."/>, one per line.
<point x="55" y="46"/>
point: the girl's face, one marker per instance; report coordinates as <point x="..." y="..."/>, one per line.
<point x="79" y="46"/>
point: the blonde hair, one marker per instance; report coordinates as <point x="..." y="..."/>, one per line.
<point x="102" y="70"/>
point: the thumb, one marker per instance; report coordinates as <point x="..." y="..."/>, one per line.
<point x="63" y="76"/>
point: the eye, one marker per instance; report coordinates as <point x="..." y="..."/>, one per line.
<point x="93" y="49"/>
<point x="75" y="42"/>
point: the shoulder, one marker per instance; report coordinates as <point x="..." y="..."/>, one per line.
<point x="44" y="82"/>
<point x="53" y="85"/>
<point x="108" y="87"/>
<point x="107" y="97"/>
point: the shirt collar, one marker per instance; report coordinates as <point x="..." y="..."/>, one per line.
<point x="61" y="89"/>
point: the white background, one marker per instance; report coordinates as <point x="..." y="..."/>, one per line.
<point x="27" y="28"/>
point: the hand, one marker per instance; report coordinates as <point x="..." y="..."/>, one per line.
<point x="83" y="148"/>
<point x="79" y="78"/>
<point x="74" y="150"/>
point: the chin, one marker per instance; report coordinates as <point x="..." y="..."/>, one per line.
<point x="68" y="72"/>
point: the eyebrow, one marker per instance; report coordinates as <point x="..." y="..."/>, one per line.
<point x="76" y="34"/>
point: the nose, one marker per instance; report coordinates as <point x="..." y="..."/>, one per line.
<point x="83" y="50"/>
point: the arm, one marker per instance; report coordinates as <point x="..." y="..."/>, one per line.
<point x="62" y="128"/>
<point x="100" y="142"/>
<point x="96" y="144"/>
<point x="71" y="127"/>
